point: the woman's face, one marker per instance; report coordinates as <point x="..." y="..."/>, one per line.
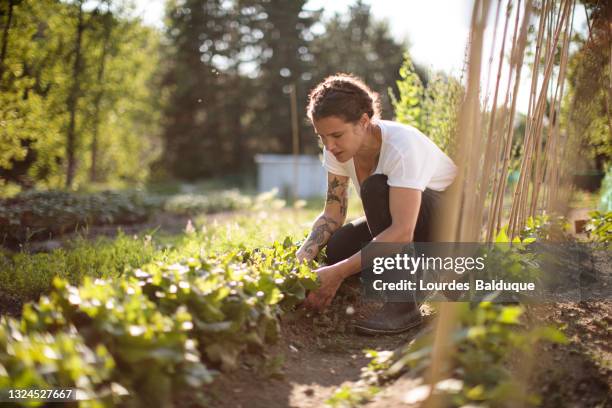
<point x="340" y="138"/>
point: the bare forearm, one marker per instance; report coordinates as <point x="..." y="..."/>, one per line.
<point x="323" y="228"/>
<point x="352" y="265"/>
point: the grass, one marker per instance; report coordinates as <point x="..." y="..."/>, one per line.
<point x="25" y="276"/>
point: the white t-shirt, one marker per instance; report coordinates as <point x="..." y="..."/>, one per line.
<point x="408" y="158"/>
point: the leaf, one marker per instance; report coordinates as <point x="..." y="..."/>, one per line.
<point x="510" y="315"/>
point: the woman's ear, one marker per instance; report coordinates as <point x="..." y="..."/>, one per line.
<point x="364" y="121"/>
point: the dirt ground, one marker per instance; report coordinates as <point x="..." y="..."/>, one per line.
<point x="309" y="364"/>
<point x="317" y="355"/>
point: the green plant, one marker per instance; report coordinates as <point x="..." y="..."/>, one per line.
<point x="42" y="214"/>
<point x="227" y="200"/>
<point x="26" y="276"/>
<point x="166" y="323"/>
<point x="546" y="227"/>
<point x="599" y="226"/>
<point x="487" y="341"/>
<point x="44" y="361"/>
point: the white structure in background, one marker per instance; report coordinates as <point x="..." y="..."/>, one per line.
<point x="284" y="172"/>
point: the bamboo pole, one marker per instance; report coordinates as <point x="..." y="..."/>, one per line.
<point x="517" y="211"/>
<point x="296" y="142"/>
<point x="518" y="60"/>
<point x="466" y="127"/>
<point x="494" y="152"/>
<point x="546" y="163"/>
<point x="499" y="189"/>
<point x="487" y="138"/>
<point x="537" y="145"/>
<point x="519" y="188"/>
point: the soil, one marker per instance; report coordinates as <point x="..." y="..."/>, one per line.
<point x="309" y="365"/>
<point x="316" y="355"/>
<point x="579" y="373"/>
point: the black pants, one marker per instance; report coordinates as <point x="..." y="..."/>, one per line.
<point x="353" y="236"/>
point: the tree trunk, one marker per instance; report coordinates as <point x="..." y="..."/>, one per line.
<point x="73" y="98"/>
<point x="93" y="171"/>
<point x="5" y="37"/>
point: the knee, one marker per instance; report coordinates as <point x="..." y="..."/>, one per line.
<point x="374" y="187"/>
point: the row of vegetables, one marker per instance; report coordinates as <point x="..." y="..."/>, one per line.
<point x="38" y="215"/>
<point x="156" y="335"/>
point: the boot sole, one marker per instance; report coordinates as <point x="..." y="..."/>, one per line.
<point x="370" y="331"/>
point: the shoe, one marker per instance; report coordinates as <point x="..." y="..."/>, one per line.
<point x="392" y="318"/>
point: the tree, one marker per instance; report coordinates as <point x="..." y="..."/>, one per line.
<point x="285" y="61"/>
<point x="433" y="109"/>
<point x="360" y="45"/>
<point x="54" y="103"/>
<point x="202" y="44"/>
<point x="587" y="109"/>
<point x="408" y="106"/>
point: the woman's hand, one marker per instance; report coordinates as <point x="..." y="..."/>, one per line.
<point x="330" y="278"/>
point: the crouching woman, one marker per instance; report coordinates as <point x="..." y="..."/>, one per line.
<point x="400" y="175"/>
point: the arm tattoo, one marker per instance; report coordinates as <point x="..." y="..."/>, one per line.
<point x="321" y="231"/>
<point x="336" y="191"/>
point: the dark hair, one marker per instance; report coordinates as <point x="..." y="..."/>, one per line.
<point x="345" y="96"/>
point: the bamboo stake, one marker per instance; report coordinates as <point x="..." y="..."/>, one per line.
<point x="498" y="190"/>
<point x="487" y="137"/>
<point x="535" y="149"/>
<point x="546" y="163"/>
<point x="521" y="190"/>
<point x="537" y="146"/>
<point x="466" y="127"/>
<point x="518" y="57"/>
<point x="494" y="141"/>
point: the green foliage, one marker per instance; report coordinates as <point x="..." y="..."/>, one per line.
<point x="441" y="103"/>
<point x="408" y="108"/>
<point x="546" y="227"/>
<point x="599" y="227"/>
<point x="605" y="201"/>
<point x="44" y="361"/>
<point x="25" y="276"/>
<point x="110" y="93"/>
<point x="165" y="324"/>
<point x="587" y="105"/>
<point x="486" y="340"/>
<point x="41" y="214"/>
<point x="367" y="386"/>
<point x="227" y="200"/>
<point x="433" y="109"/>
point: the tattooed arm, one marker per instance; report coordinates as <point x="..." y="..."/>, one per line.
<point x="330" y="220"/>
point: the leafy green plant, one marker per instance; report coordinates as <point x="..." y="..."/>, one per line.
<point x="432" y="109"/>
<point x="372" y="376"/>
<point x="213" y="202"/>
<point x="25" y="276"/>
<point x="165" y="324"/>
<point x="546" y="227"/>
<point x="44" y="361"/>
<point x="41" y="214"/>
<point x="599" y="226"/>
<point x="487" y="340"/>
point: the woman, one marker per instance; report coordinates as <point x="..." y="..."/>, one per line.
<point x="400" y="175"/>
